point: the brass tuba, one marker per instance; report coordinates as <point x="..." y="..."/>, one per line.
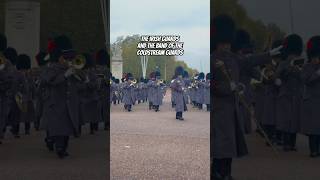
<point x="78" y="63"/>
<point x="21" y="105"/>
<point x="2" y="61"/>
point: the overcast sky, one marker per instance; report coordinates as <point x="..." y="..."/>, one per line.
<point x="306" y="14"/>
<point x="188" y="18"/>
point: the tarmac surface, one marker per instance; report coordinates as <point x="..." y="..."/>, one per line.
<point x="263" y="164"/>
<point x="27" y="158"/>
<point x="154" y="145"/>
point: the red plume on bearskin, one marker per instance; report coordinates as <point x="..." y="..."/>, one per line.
<point x="309" y="44"/>
<point x="51" y="45"/>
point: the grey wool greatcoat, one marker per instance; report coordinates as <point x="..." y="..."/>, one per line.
<point x="127" y="90"/>
<point x="157" y="93"/>
<point x="227" y="137"/>
<point x="173" y="95"/>
<point x="177" y="86"/>
<point x="207" y="92"/>
<point x="310" y="114"/>
<point x="89" y="98"/>
<point x="103" y="88"/>
<point x="26" y="87"/>
<point x="7" y="89"/>
<point x="150" y="91"/>
<point x="61" y="106"/>
<point x="289" y="98"/>
<point x="268" y="114"/>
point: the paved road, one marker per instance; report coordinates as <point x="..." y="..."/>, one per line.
<point x="154" y="145"/>
<point x="262" y="164"/>
<point x="28" y="159"/>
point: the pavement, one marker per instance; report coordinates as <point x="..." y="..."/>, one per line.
<point x="154" y="145"/>
<point x="27" y="158"/>
<point x="263" y="164"/>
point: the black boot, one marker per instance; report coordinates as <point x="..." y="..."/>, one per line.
<point x="313" y="146"/>
<point x="91" y="128"/>
<point x="27" y="128"/>
<point x="49" y="143"/>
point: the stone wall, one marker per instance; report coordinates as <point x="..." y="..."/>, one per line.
<point x="79" y="19"/>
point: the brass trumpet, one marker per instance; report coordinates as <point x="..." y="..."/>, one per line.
<point x="2" y="61"/>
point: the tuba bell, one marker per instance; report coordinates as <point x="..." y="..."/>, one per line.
<point x="78" y="63"/>
<point x="21" y="105"/>
<point x="2" y="61"/>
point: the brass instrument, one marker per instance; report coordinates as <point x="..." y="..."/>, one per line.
<point x="133" y="82"/>
<point x="159" y="82"/>
<point x="78" y="63"/>
<point x="21" y="105"/>
<point x="2" y="62"/>
<point x="297" y="62"/>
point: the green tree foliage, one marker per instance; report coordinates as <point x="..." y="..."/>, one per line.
<point x="132" y="62"/>
<point x="260" y="32"/>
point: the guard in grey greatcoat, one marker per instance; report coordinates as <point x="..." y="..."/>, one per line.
<point x="61" y="107"/>
<point x="242" y="46"/>
<point x="38" y="92"/>
<point x="103" y="72"/>
<point x="227" y="137"/>
<point x="6" y="86"/>
<point x="200" y="90"/>
<point x="127" y="87"/>
<point x="89" y="96"/>
<point x="310" y="124"/>
<point x="187" y="83"/>
<point x="13" y="117"/>
<point x="157" y="92"/>
<point x="173" y="96"/>
<point x="26" y="89"/>
<point x="151" y="92"/>
<point x="178" y="86"/>
<point x="206" y="91"/>
<point x="267" y="116"/>
<point x="288" y="78"/>
<point x="140" y="89"/>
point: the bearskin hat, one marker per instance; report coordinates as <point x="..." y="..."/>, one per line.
<point x="313" y="47"/>
<point x="60" y="46"/>
<point x="201" y="75"/>
<point x="222" y="30"/>
<point x="23" y="62"/>
<point x="40" y="58"/>
<point x="3" y="42"/>
<point x="129" y="76"/>
<point x="242" y="41"/>
<point x="185" y="74"/>
<point x="89" y="60"/>
<point x="179" y="71"/>
<point x="292" y="44"/>
<point x="208" y="76"/>
<point x="11" y="54"/>
<point x="152" y="75"/>
<point x="102" y="58"/>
